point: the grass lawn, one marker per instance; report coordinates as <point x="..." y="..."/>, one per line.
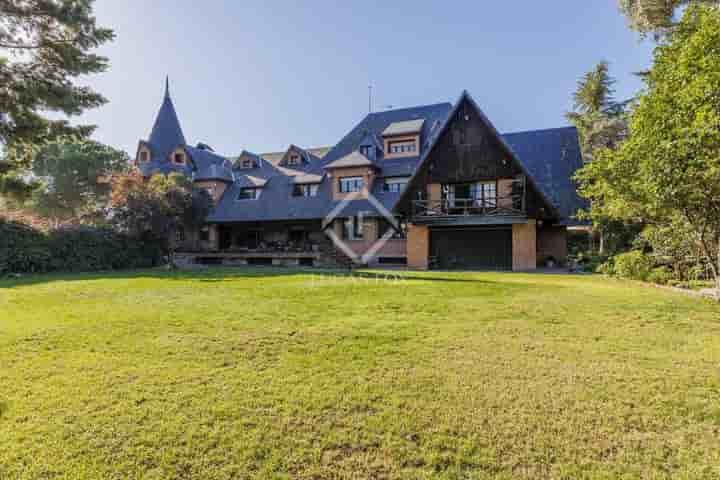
<point x="283" y="374"/>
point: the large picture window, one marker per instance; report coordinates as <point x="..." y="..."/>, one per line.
<point x="467" y="195"/>
<point x="351" y="184"/>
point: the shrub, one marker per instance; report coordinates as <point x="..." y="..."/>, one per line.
<point x="633" y="265"/>
<point x="660" y="275"/>
<point x="24" y="249"/>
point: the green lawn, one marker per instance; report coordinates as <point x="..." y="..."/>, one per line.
<point x="282" y="374"/>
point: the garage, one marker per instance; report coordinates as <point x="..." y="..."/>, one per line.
<point x="483" y="248"/>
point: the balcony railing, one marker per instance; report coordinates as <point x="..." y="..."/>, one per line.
<point x="463" y="207"/>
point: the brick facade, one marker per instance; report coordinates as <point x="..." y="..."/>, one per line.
<point x="418" y="247"/>
<point x="524" y="247"/>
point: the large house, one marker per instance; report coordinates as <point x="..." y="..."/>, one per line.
<point x="433" y="186"/>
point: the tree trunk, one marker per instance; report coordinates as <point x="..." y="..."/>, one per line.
<point x="602" y="247"/>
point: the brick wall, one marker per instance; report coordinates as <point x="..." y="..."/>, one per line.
<point x="418" y="246"/>
<point x="524" y="247"/>
<point x="368" y="175"/>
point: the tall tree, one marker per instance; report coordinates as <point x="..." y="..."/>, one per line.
<point x="668" y="170"/>
<point x="44" y="46"/>
<point x="600" y="120"/>
<point x="601" y="123"/>
<point x="656" y="17"/>
<point x="74" y="179"/>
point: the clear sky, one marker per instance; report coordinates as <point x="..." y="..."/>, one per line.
<point x="263" y="74"/>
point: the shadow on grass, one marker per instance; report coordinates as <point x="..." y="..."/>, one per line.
<point x="221" y="274"/>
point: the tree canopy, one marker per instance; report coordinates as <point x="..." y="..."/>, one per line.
<point x="656" y="17"/>
<point x="45" y="45"/>
<point x="668" y="170"/>
<point x="74" y="178"/>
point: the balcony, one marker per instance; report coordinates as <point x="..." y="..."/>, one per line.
<point x="469" y="211"/>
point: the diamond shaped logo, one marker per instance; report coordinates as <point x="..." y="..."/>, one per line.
<point x="371" y="253"/>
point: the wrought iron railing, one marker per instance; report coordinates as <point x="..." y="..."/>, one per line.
<point x="459" y="207"/>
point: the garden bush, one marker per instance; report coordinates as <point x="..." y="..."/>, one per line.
<point x="24" y="249"/>
<point x="634" y="265"/>
<point x="660" y="275"/>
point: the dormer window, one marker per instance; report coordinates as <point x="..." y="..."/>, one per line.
<point x="401" y="146"/>
<point x="351" y="184"/>
<point x="178" y="158"/>
<point x="144" y="156"/>
<point x="294" y="159"/>
<point x="247" y="163"/>
<point x="307" y="190"/>
<point x="366" y="150"/>
<point x="395" y="185"/>
<point x="250" y="193"/>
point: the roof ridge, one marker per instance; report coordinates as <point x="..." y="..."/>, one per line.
<point x="568" y="127"/>
<point x="438" y="104"/>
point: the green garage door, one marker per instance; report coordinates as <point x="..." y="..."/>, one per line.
<point x="472" y="248"/>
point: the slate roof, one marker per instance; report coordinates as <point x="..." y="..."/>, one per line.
<point x="209" y="165"/>
<point x="276" y="201"/>
<point x="552" y="156"/>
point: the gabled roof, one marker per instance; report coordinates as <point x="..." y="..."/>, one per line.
<point x="353" y="159"/>
<point x="465" y="96"/>
<point x="406" y="127"/>
<point x="275" y="157"/>
<point x="257" y="159"/>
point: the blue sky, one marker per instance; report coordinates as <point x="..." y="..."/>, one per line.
<point x="262" y="74"/>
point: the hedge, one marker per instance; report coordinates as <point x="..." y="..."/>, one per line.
<point x="24" y="249"/>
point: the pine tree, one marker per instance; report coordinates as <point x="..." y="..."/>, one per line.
<point x="44" y="46"/>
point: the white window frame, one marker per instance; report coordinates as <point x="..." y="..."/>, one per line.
<point x="356" y="182"/>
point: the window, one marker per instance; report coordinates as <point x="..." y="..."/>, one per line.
<point x="486" y="194"/>
<point x="205" y="234"/>
<point x="249" y="194"/>
<point x="309" y="190"/>
<point x="144" y="156"/>
<point x="294" y="159"/>
<point x="366" y="150"/>
<point x="395" y="185"/>
<point x="179" y="158"/>
<point x="480" y="194"/>
<point x="353" y="228"/>
<point x="402" y="146"/>
<point x="180" y="234"/>
<point x="351" y="184"/>
<point x="247" y="163"/>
